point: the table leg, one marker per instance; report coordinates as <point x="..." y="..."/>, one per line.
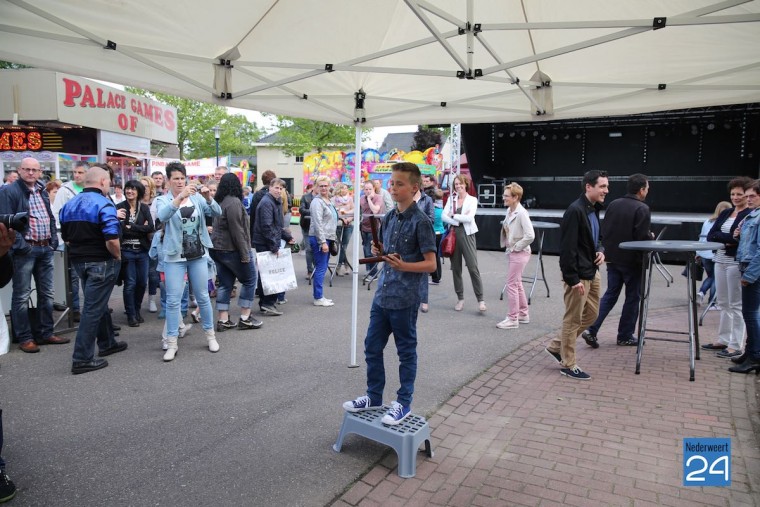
<point x="646" y="283"/>
<point x="539" y="265"/>
<point x="691" y="290"/>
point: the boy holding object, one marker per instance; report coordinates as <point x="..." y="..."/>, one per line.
<point x="408" y="250"/>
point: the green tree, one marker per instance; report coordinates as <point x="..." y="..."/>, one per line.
<point x="298" y="136"/>
<point x="11" y="65"/>
<point x="426" y="137"/>
<point x="195" y="121"/>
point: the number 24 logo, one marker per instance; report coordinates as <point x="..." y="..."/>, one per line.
<point x="696" y="475"/>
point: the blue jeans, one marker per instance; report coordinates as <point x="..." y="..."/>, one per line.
<point x="344" y="233"/>
<point x="37" y="263"/>
<point x="403" y="324"/>
<point x="751" y="314"/>
<point x="197" y="274"/>
<point x="229" y="267"/>
<point x="367" y="246"/>
<point x="617" y="276"/>
<point x="97" y="281"/>
<point x="135" y="279"/>
<point x="708" y="284"/>
<point x="320" y="267"/>
<point x="184" y="305"/>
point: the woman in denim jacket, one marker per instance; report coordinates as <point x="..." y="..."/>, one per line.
<point x="748" y="257"/>
<point x="182" y="210"/>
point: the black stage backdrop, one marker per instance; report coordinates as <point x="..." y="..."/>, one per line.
<point x="689" y="156"/>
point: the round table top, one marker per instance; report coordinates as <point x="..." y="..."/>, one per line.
<point x="670" y="245"/>
<point x="545" y="225"/>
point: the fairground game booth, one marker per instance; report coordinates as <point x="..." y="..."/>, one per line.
<point x="60" y="119"/>
<point x="688" y="155"/>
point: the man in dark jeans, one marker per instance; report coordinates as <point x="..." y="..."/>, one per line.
<point x="304" y="210"/>
<point x="7" y="237"/>
<point x="90" y="227"/>
<point x="267" y="233"/>
<point x="626" y="219"/>
<point x="32" y="255"/>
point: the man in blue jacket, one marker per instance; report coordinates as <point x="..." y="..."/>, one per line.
<point x="581" y="254"/>
<point x="91" y="229"/>
<point x="32" y="255"/>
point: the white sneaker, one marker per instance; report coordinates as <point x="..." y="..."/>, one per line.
<point x="323" y="302"/>
<point x="700" y="298"/>
<point x="508" y="324"/>
<point x="213" y="345"/>
<point x="152" y="308"/>
<point x="523" y="320"/>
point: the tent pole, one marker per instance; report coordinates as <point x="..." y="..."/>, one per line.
<point x="356" y="240"/>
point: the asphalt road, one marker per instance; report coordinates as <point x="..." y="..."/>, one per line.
<point x="253" y="424"/>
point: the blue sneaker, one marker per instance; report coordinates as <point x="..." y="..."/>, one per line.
<point x="162" y="314"/>
<point x="396" y="414"/>
<point x="360" y="404"/>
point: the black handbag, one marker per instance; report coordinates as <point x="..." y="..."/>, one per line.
<point x="333" y="248"/>
<point x="192" y="248"/>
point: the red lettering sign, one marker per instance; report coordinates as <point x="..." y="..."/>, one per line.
<point x="20" y="141"/>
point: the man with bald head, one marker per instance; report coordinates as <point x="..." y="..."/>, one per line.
<point x="91" y="229"/>
<point x="32" y="256"/>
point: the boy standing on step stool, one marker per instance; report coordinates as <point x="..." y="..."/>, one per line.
<point x="408" y="251"/>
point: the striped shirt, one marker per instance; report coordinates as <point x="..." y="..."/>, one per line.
<point x="720" y="255"/>
<point x="39" y="220"/>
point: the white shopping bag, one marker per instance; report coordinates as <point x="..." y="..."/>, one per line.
<point x="276" y="271"/>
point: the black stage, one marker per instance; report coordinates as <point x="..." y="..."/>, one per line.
<point x="489" y="224"/>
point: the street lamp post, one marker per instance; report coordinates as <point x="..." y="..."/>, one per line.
<point x="216" y="130"/>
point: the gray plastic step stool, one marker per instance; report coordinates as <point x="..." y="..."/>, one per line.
<point x="405" y="438"/>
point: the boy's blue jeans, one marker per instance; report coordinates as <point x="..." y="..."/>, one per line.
<point x="403" y="324"/>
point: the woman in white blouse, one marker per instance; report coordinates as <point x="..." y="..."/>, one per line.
<point x="459" y="213"/>
<point x="516" y="236"/>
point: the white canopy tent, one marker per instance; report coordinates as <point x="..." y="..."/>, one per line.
<point x="393" y="62"/>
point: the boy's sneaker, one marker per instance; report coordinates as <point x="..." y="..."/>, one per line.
<point x="396" y="414"/>
<point x="249" y="323"/>
<point x="575" y="373"/>
<point x="508" y="324"/>
<point x="360" y="404"/>
<point x="7" y="488"/>
<point x="323" y="302"/>
<point x="152" y="308"/>
<point x="555" y="355"/>
<point x="270" y="310"/>
<point x="224" y="325"/>
<point x="590" y="339"/>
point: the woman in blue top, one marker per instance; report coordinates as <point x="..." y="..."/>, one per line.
<point x="439" y="230"/>
<point x="183" y="210"/>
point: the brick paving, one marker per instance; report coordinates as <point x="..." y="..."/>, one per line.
<point x="522" y="434"/>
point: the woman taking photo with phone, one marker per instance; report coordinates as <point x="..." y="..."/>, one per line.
<point x="459" y="213"/>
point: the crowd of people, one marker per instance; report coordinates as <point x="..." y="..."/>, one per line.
<point x="193" y="241"/>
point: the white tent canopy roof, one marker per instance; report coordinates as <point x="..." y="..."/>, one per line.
<point x="309" y="59"/>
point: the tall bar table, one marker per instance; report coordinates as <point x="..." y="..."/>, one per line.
<point x="649" y="249"/>
<point x="541" y="227"/>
